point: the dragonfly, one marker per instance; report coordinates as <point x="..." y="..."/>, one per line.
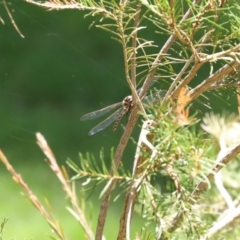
<point x="125" y="107"/>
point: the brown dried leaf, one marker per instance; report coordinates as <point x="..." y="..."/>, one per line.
<point x="181" y="111"/>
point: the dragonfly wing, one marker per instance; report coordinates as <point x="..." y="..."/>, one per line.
<point x="102" y="125"/>
<point x="155" y="79"/>
<point x="154" y="97"/>
<point x="99" y="113"/>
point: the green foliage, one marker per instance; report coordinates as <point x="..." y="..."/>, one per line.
<point x="89" y="168"/>
<point x="182" y="156"/>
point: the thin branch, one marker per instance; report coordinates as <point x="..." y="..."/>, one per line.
<point x="144" y="143"/>
<point x="226" y="70"/>
<point x="137" y="178"/>
<point x="155" y="210"/>
<point x="187" y="79"/>
<point x="134" y="45"/>
<point x="194" y="69"/>
<point x="42" y="143"/>
<point x="231" y="216"/>
<point x="12" y="20"/>
<point x="203" y="184"/>
<point x="130" y="82"/>
<point x="33" y="198"/>
<point x="100" y="176"/>
<point x="117" y="160"/>
<point x="161" y="54"/>
<point x="223" y="191"/>
<point x="71" y="4"/>
<point x="233" y="52"/>
<point x="123" y="3"/>
<point x="224" y="85"/>
<point x="183" y="70"/>
<point x="2" y="21"/>
<point x="178" y="77"/>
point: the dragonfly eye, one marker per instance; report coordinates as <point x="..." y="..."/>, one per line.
<point x="127" y="103"/>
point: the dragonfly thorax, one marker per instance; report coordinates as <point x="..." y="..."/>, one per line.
<point x="127" y="103"/>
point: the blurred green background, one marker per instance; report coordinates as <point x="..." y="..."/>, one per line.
<point x="48" y="80"/>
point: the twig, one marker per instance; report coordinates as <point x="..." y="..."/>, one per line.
<point x="226" y="218"/>
<point x="42" y="143"/>
<point x="203" y="184"/>
<point x="156" y="212"/>
<point x="224" y="85"/>
<point x="131" y="195"/>
<point x="12" y="20"/>
<point x="223" y="191"/>
<point x="117" y="160"/>
<point x="187" y="79"/>
<point x="134" y="45"/>
<point x="233" y="52"/>
<point x="226" y="70"/>
<point x="231" y="216"/>
<point x="178" y="77"/>
<point x="161" y="54"/>
<point x="130" y="81"/>
<point x="191" y="74"/>
<point x="194" y="69"/>
<point x="33" y="198"/>
<point x="139" y="174"/>
<point x="70" y="4"/>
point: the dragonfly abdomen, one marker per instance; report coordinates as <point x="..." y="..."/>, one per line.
<point x="127" y="105"/>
